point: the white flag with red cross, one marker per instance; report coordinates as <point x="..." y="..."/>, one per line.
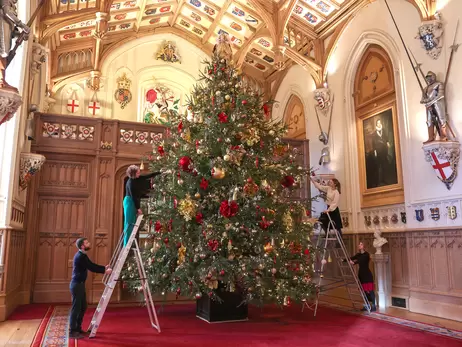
<point x="73" y="105"/>
<point x="94" y="108"/>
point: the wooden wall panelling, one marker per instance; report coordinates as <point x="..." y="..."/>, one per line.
<point x="399" y="262"/>
<point x="454" y="254"/>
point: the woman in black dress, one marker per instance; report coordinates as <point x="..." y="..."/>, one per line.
<point x="365" y="276"/>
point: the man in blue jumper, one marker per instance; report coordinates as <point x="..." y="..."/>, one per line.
<point x="79" y="275"/>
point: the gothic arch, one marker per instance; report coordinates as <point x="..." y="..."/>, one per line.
<point x="383" y="40"/>
<point x="294" y="118"/>
<point x="376" y="116"/>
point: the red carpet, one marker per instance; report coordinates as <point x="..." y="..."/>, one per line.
<point x="26" y="312"/>
<point x="270" y="327"/>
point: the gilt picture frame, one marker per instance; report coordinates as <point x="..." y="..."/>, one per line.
<point x="380" y="169"/>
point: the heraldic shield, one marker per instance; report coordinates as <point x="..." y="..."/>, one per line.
<point x="444" y="158"/>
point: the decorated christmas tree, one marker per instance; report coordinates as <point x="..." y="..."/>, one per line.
<point x="225" y="216"/>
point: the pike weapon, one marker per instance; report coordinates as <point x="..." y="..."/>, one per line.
<point x="405" y="48"/>
<point x="417" y="65"/>
<point x="22" y="37"/>
<point x="454" y="48"/>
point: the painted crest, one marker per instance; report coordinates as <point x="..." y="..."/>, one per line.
<point x="385" y="219"/>
<point x="72" y="105"/>
<point x="94" y="108"/>
<point x="323" y="100"/>
<point x="419" y="215"/>
<point x="403" y="217"/>
<point x="435" y="213"/>
<point x="444" y="158"/>
<point x="452" y="212"/>
<point x="345" y="221"/>
<point x="168" y="53"/>
<point x="376" y="220"/>
<point x="30" y="164"/>
<point x="430" y="36"/>
<point x="123" y="95"/>
<point x="160" y="100"/>
<point x="367" y="220"/>
<point x="394" y="218"/>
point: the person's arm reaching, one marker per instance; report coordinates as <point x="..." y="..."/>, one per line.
<point x="94" y="267"/>
<point x="319" y="186"/>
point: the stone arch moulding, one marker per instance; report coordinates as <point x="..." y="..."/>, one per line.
<point x="294" y="104"/>
<point x="383" y="40"/>
<point x="293" y="89"/>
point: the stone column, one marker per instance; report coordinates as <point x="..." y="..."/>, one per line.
<point x="382" y="268"/>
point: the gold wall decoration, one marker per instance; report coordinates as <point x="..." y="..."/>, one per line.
<point x="123" y="95"/>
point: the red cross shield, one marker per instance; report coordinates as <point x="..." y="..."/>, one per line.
<point x="72" y="105"/>
<point x="94" y="108"/>
<point x="442" y="167"/>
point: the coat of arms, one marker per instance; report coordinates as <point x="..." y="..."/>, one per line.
<point x="123" y="95"/>
<point x="323" y="100"/>
<point x="160" y="101"/>
<point x="367" y="220"/>
<point x="452" y="212"/>
<point x="435" y="213"/>
<point x="429" y="34"/>
<point x="419" y="215"/>
<point x="444" y="158"/>
<point x="403" y="217"/>
<point x="394" y="218"/>
<point x="168" y="53"/>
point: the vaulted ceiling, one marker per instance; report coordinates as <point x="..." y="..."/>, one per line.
<point x="266" y="35"/>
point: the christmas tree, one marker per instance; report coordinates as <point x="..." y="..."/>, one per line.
<point x="224" y="216"/>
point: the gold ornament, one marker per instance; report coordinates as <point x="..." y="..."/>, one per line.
<point x="250" y="188"/>
<point x="287" y="221"/>
<point x="187" y="208"/>
<point x="181" y="254"/>
<point x="197" y="195"/>
<point x="268" y="248"/>
<point x="218" y="173"/>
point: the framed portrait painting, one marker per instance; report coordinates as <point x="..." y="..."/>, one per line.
<point x="379" y="157"/>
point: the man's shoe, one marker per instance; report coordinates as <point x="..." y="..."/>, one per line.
<point x="75" y="335"/>
<point x="85" y="333"/>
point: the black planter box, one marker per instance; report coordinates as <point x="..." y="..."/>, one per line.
<point x="229" y="310"/>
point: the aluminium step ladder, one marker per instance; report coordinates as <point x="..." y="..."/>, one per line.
<point x="334" y="243"/>
<point x="110" y="281"/>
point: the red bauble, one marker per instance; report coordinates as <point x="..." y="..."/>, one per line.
<point x="222" y="272"/>
<point x="306" y="252"/>
<point x="185" y="163"/>
<point x="244" y="102"/>
<point x="213" y="245"/>
<point x="249" y="180"/>
<point x="288" y="181"/>
<point x="160" y="150"/>
<point x="228" y="210"/>
<point x="199" y="218"/>
<point x="166" y="240"/>
<point x="204" y="184"/>
<point x="158" y="227"/>
<point x="222" y="117"/>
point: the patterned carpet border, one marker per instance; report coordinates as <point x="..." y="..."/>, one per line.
<point x="56" y="332"/>
<point x="399" y="321"/>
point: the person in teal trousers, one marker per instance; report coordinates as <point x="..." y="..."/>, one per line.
<point x="135" y="188"/>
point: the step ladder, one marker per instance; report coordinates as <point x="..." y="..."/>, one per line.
<point x="333" y="243"/>
<point x="110" y="281"/>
